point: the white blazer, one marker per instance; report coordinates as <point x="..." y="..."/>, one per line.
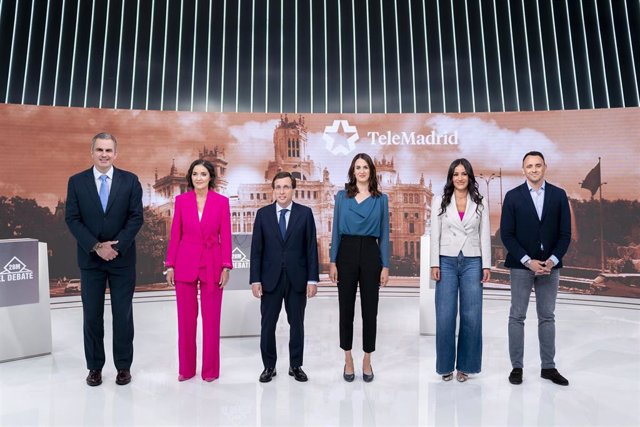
<point x="450" y="235"/>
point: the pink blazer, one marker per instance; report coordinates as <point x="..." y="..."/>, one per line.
<point x="193" y="240"/>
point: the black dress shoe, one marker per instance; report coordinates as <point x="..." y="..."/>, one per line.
<point x="298" y="374"/>
<point x="123" y="377"/>
<point x="515" y="377"/>
<point x="367" y="377"/>
<point x="553" y="375"/>
<point x="267" y="374"/>
<point x="348" y="377"/>
<point x="95" y="377"/>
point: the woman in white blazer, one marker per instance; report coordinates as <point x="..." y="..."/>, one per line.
<point x="460" y="262"/>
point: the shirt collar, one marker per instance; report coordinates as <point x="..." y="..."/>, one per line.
<point x="97" y="174"/>
<point x="278" y="208"/>
<point x="544" y="184"/>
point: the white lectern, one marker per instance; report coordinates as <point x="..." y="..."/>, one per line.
<point x="25" y="316"/>
<point x="240" y="314"/>
<point x="427" y="289"/>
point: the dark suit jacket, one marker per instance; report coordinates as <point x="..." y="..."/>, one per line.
<point x="298" y="252"/>
<point x="523" y="233"/>
<point x="90" y="225"/>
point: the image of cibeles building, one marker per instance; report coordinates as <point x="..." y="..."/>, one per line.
<point x="409" y="203"/>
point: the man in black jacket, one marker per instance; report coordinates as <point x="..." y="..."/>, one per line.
<point x="104" y="214"/>
<point x="535" y="228"/>
<point x="284" y="267"/>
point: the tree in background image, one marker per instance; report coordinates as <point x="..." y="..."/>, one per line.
<point x="151" y="245"/>
<point x="621" y="228"/>
<point x="22" y="218"/>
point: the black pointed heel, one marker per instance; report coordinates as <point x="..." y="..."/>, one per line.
<point x="368" y="377"/>
<point x="348" y="377"/>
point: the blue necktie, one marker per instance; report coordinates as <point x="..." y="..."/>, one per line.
<point x="283" y="222"/>
<point x="104" y="192"/>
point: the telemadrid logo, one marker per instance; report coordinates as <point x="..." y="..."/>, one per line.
<point x="15" y="270"/>
<point x="332" y="134"/>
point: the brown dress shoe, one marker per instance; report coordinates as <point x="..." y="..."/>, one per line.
<point x="123" y="377"/>
<point x="95" y="377"/>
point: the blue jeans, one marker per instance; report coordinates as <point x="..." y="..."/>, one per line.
<point x="546" y="289"/>
<point x="460" y="277"/>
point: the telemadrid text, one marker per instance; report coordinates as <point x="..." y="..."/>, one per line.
<point x="412" y="138"/>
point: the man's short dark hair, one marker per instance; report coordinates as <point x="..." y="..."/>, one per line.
<point x="281" y="175"/>
<point x="533" y="153"/>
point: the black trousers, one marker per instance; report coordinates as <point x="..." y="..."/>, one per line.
<point x="270" y="307"/>
<point x="358" y="262"/>
<point x="122" y="282"/>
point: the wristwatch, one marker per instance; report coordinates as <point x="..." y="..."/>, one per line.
<point x="96" y="247"/>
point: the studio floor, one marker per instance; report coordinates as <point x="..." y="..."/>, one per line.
<point x="598" y="350"/>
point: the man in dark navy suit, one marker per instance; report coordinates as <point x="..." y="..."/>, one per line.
<point x="535" y="227"/>
<point x="284" y="267"/>
<point x="104" y="214"/>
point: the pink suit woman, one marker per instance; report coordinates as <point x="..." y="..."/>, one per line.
<point x="199" y="256"/>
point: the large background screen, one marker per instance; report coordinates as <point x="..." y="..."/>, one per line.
<point x="592" y="154"/>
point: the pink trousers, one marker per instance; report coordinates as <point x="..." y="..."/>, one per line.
<point x="210" y="305"/>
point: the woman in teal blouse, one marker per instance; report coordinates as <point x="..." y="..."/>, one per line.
<point x="360" y="255"/>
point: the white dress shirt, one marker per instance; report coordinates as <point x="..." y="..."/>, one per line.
<point x="96" y="177"/>
<point x="286" y="215"/>
<point x="538" y="201"/>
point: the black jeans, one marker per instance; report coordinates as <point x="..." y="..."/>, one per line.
<point x="358" y="262"/>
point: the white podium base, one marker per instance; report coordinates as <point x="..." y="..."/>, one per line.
<point x="25" y="330"/>
<point x="240" y="315"/>
<point x="427" y="289"/>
